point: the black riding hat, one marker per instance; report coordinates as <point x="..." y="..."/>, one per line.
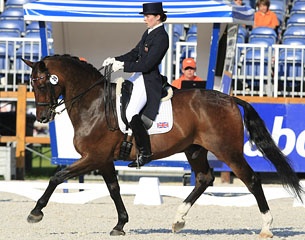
<point x="153" y="8"/>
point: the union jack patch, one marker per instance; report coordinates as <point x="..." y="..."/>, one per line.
<point x="162" y="125"/>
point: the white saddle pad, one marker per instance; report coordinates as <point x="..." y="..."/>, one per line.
<point x="163" y="122"/>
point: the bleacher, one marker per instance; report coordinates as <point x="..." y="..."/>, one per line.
<point x="267" y="62"/>
<point x="18" y="39"/>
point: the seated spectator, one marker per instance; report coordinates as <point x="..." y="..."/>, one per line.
<point x="265" y="17"/>
<point x="188" y="70"/>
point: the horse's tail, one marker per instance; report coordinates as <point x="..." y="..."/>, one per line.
<point x="259" y="135"/>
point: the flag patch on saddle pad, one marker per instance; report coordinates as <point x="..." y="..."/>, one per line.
<point x="162" y="125"/>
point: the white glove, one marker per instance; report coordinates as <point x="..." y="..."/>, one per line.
<point x="108" y="61"/>
<point x="117" y="65"/>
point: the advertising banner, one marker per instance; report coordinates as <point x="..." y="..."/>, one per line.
<point x="287" y="127"/>
<point x="285" y="123"/>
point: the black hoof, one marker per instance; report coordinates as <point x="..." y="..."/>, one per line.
<point x="35" y="218"/>
<point x="115" y="232"/>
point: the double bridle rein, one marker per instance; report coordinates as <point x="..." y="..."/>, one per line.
<point x="108" y="102"/>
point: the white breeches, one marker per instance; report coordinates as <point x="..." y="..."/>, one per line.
<point x="138" y="96"/>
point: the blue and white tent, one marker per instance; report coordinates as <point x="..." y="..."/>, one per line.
<point x="122" y="11"/>
<point x="192" y="11"/>
<point x="66" y="12"/>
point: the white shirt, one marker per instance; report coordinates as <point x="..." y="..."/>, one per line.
<point x="158" y="25"/>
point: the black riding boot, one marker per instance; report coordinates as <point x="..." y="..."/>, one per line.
<point x="142" y="140"/>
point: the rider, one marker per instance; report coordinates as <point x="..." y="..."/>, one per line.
<point x="143" y="61"/>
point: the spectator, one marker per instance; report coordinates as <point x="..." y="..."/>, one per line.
<point x="264" y="17"/>
<point x="188" y="70"/>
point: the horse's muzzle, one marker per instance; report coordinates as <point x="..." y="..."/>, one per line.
<point x="45" y="116"/>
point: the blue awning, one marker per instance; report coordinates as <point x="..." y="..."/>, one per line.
<point x="194" y="11"/>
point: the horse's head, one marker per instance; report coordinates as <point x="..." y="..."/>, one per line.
<point x="46" y="88"/>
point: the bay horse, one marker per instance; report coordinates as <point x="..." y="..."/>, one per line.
<point x="204" y="120"/>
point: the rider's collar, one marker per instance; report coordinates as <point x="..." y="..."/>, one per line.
<point x="158" y="25"/>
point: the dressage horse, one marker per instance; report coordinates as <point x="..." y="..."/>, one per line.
<point x="204" y="120"/>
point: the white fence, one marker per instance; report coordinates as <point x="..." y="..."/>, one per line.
<point x="259" y="70"/>
<point x="12" y="69"/>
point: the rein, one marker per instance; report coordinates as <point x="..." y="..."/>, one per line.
<point x="108" y="102"/>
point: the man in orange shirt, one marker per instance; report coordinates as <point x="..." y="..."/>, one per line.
<point x="264" y="17"/>
<point x="188" y="70"/>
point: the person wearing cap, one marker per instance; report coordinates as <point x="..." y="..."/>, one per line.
<point x="188" y="70"/>
<point x="146" y="81"/>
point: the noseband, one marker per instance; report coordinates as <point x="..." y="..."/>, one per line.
<point x="53" y="100"/>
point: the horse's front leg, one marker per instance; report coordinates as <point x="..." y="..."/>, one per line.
<point x="76" y="169"/>
<point x="36" y="214"/>
<point x="113" y="186"/>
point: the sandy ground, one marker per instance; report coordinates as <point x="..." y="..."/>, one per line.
<point x="95" y="220"/>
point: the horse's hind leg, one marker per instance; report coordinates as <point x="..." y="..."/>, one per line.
<point x="197" y="157"/>
<point x="244" y="172"/>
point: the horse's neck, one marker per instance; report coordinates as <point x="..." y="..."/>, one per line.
<point x="88" y="105"/>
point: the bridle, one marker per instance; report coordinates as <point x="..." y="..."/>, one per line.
<point x="108" y="102"/>
<point x="53" y="102"/>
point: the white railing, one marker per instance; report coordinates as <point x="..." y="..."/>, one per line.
<point x="184" y="50"/>
<point x="252" y="74"/>
<point x="289" y="70"/>
<point x="12" y="69"/>
<point x="273" y="71"/>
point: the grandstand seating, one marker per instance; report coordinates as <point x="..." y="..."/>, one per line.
<point x="298" y="7"/>
<point x="242" y="34"/>
<point x="293" y="57"/>
<point x="12" y="28"/>
<point x="263" y="32"/>
<point x="35" y="26"/>
<point x="12" y="25"/>
<point x="16" y="3"/>
<point x="12" y="13"/>
<point x="251" y="69"/>
<point x="294" y="30"/>
<point x="191" y="35"/>
<point x="178" y="30"/>
<point x="279" y="8"/>
<point x="296" y="19"/>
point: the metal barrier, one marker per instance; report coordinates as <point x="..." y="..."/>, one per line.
<point x="264" y="71"/>
<point x="184" y="50"/>
<point x="289" y="71"/>
<point x="12" y="69"/>
<point x="252" y="74"/>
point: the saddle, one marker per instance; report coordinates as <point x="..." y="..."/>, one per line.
<point x="162" y="124"/>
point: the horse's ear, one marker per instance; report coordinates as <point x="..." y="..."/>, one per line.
<point x="28" y="62"/>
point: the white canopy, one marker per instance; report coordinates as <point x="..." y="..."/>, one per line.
<point x="192" y="11"/>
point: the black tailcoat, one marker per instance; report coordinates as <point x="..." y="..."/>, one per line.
<point x="145" y="58"/>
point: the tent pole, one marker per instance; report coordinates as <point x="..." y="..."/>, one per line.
<point x="44" y="39"/>
<point x="213" y="55"/>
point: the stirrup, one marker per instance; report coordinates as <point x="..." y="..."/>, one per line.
<point x="141" y="161"/>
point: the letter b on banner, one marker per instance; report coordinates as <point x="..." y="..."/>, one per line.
<point x="278" y="132"/>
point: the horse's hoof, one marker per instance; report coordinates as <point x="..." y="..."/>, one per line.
<point x="115" y="232"/>
<point x="176" y="227"/>
<point x="265" y="234"/>
<point x="35" y="218"/>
